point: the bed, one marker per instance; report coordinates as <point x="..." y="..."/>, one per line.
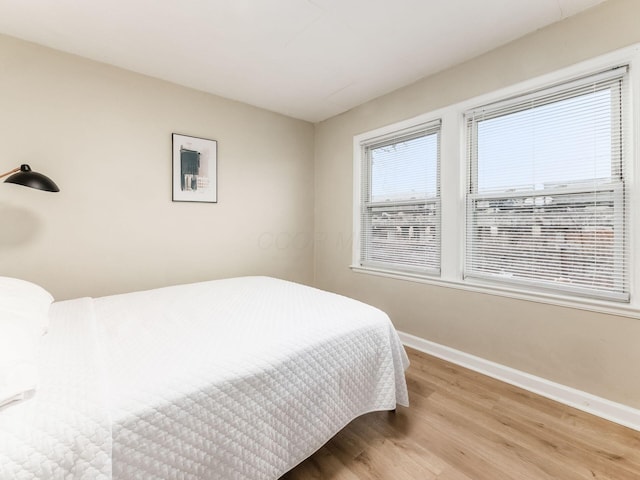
<point x="239" y="378"/>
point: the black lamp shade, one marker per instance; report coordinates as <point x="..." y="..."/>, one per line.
<point x="29" y="178"/>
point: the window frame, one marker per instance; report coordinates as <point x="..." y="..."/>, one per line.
<point x="453" y="189"/>
<point x="412" y="132"/>
<point x="591" y="187"/>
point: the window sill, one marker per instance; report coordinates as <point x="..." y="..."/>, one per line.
<point x="591" y="305"/>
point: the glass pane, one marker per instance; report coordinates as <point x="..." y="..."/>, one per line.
<point x="560" y="143"/>
<point x="565" y="239"/>
<point x="404" y="235"/>
<point x="405" y="170"/>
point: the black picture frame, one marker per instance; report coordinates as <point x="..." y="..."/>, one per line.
<point x="194" y="169"/>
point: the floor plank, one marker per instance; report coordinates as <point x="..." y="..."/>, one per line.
<point x="462" y="425"/>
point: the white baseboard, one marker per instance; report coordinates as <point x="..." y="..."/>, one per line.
<point x="615" y="412"/>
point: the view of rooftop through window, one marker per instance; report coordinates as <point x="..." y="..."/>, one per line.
<point x="546" y="196"/>
<point x="401" y="219"/>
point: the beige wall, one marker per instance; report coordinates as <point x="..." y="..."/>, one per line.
<point x="593" y="352"/>
<point x="104" y="135"/>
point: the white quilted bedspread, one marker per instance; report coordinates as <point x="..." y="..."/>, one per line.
<point x="231" y="379"/>
<point x="64" y="431"/>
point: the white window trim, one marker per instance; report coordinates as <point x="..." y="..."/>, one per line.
<point x="453" y="189"/>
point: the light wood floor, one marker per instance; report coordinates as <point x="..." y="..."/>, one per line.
<point x="465" y="426"/>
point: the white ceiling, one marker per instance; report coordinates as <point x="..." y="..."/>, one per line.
<point x="310" y="59"/>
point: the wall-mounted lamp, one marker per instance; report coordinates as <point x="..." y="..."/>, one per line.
<point x="27" y="177"/>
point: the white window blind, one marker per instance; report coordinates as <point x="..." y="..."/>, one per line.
<point x="546" y="189"/>
<point x="400" y="204"/>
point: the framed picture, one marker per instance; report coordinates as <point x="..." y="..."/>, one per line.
<point x="195" y="168"/>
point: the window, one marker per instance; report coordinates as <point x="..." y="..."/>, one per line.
<point x="528" y="192"/>
<point x="400" y="201"/>
<point x="546" y="189"/>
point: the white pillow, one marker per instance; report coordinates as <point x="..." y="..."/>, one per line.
<point x="26" y="300"/>
<point x="18" y="359"/>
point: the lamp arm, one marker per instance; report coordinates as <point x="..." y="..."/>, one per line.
<point x="17" y="169"/>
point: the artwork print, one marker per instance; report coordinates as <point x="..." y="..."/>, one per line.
<point x="195" y="163"/>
